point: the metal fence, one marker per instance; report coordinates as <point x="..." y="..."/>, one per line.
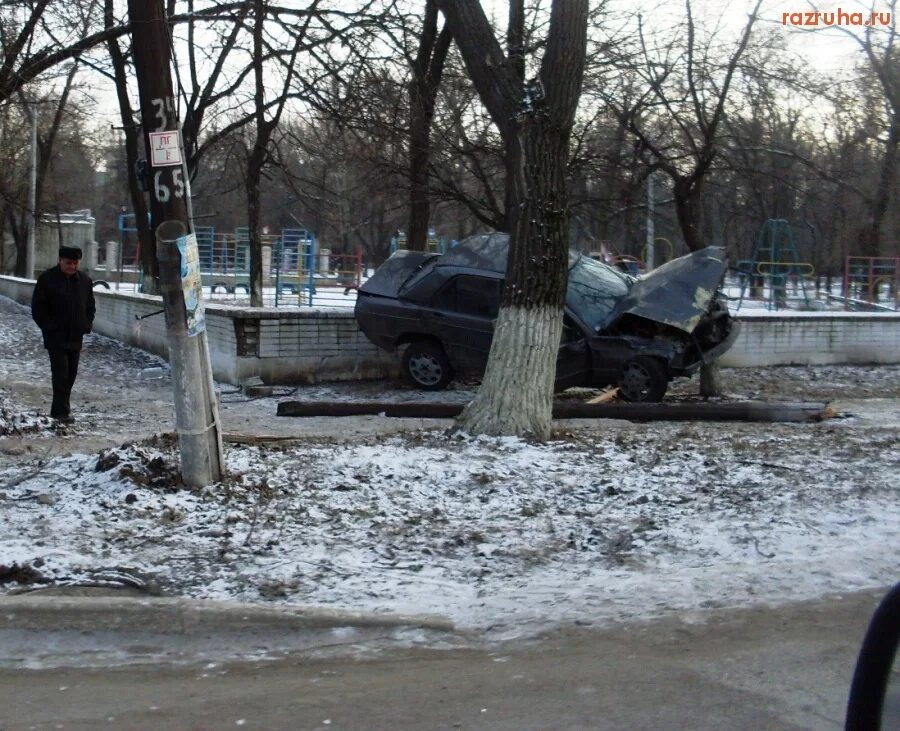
<point x="296" y="271"/>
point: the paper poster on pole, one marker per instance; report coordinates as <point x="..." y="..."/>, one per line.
<point x="191" y="284"/>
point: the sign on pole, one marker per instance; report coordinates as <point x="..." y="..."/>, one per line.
<point x="165" y="150"/>
<point x="191" y="284"/>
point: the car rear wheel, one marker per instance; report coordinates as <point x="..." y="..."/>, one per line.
<point x="644" y="379"/>
<point x="426" y="365"/>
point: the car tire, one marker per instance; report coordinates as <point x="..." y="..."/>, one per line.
<point x="426" y="366"/>
<point x="643" y="380"/>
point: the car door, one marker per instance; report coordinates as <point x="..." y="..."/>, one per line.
<point x="573" y="364"/>
<point x="462" y="314"/>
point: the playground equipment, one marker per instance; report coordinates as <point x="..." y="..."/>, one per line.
<point x="774" y="267"/>
<point x="659" y="257"/>
<point x="873" y="281"/>
<point x="295" y="248"/>
<point x="629" y="264"/>
<point x="294" y="268"/>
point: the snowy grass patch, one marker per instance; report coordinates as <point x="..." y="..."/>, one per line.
<point x="628" y="522"/>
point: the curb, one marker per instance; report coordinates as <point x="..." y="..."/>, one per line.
<point x="178" y="616"/>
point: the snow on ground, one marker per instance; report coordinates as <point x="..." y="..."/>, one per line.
<point x="611" y="520"/>
<point x="597" y="525"/>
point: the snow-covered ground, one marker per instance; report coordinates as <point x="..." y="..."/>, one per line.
<point x="611" y="520"/>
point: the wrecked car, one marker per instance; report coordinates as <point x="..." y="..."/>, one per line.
<point x="635" y="333"/>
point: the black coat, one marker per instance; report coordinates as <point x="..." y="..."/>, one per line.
<point x="63" y="307"/>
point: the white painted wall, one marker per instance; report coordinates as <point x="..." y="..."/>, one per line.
<point x="815" y="338"/>
<point x="309" y="345"/>
<point x="305" y="346"/>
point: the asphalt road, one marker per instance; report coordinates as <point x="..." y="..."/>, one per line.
<point x="785" y="667"/>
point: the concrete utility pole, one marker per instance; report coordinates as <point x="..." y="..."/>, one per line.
<point x="196" y="410"/>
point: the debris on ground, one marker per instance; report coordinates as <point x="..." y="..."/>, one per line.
<point x="142" y="465"/>
<point x="16" y="422"/>
<point x="21" y="574"/>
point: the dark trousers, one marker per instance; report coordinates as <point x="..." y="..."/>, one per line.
<point x="64" y="369"/>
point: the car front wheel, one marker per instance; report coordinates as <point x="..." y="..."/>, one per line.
<point x="426" y="365"/>
<point x="643" y="379"/>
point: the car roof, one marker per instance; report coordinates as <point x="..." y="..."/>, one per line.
<point x="484" y="251"/>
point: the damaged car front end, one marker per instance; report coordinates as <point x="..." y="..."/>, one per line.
<point x="636" y="333"/>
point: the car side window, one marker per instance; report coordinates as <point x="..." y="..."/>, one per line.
<point x="468" y="295"/>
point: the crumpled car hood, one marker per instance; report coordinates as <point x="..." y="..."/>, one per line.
<point x="679" y="292"/>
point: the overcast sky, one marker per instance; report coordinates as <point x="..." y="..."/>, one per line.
<point x="830" y="51"/>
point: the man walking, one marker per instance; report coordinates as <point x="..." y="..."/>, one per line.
<point x="63" y="308"/>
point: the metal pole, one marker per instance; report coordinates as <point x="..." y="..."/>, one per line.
<point x="196" y="410"/>
<point x="651" y="227"/>
<point x="32" y="199"/>
<point x="278" y="249"/>
<point x="312" y="268"/>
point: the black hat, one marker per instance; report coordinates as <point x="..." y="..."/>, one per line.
<point x="69" y="252"/>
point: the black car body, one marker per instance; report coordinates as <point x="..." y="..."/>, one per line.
<point x="638" y="333"/>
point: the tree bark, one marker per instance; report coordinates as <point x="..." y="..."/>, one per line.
<point x="688" y="211"/>
<point x="711" y="380"/>
<point x="881" y="203"/>
<point x="256" y="159"/>
<point x="427" y="71"/>
<point x="131" y="131"/>
<point x="254" y="169"/>
<point x="516" y="394"/>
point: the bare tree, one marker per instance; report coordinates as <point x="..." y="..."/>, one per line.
<point x="427" y="68"/>
<point x="35" y="37"/>
<point x="690" y="91"/>
<point x="535" y="121"/>
<point x="879" y="45"/>
<point x="258" y="152"/>
<point x="132" y="138"/>
<point x="17" y="43"/>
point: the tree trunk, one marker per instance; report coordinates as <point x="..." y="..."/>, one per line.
<point x="516" y="396"/>
<point x="427" y="71"/>
<point x="872" y="243"/>
<point x="256" y="159"/>
<point x="687" y="208"/>
<point x="419" y="204"/>
<point x="254" y="167"/>
<point x="145" y="230"/>
<point x="20" y="240"/>
<point x="711" y="380"/>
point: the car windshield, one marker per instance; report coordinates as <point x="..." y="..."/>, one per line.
<point x="594" y="290"/>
